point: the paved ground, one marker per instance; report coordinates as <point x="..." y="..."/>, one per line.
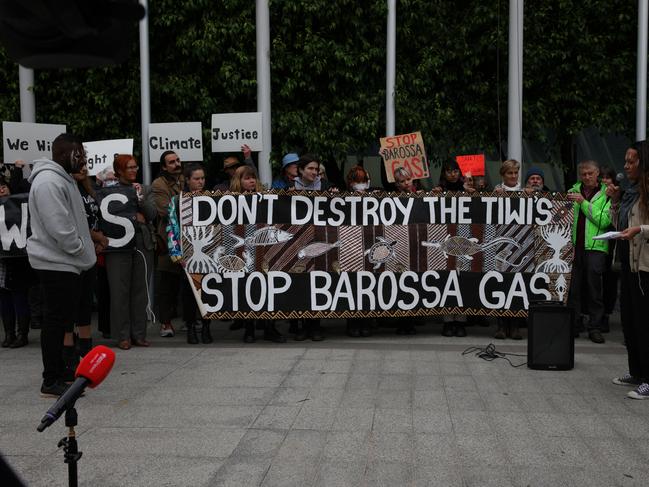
<point x="385" y="410"/>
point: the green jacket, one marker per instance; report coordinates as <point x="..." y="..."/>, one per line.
<point x="597" y="216"/>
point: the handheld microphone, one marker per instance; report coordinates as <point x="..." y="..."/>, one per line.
<point x="619" y="177"/>
<point x="92" y="370"/>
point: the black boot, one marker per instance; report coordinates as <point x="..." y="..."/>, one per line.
<point x="206" y="333"/>
<point x="249" y="333"/>
<point x="366" y="327"/>
<point x="352" y="328"/>
<point x="23" y="331"/>
<point x="316" y="331"/>
<point x="304" y="331"/>
<point x="271" y="333"/>
<point x="293" y="327"/>
<point x="70" y="362"/>
<point x="9" y="323"/>
<point x="192" y="337"/>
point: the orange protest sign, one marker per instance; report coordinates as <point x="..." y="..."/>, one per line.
<point x="473" y="164"/>
<point x="407" y="151"/>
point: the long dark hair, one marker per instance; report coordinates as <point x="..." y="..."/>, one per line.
<point x="642" y="148"/>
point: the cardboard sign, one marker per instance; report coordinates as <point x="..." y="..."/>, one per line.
<point x="407" y="151"/>
<point x="101" y="153"/>
<point x="231" y="130"/>
<point x="471" y="164"/>
<point x="319" y="255"/>
<point x="184" y="138"/>
<point x="28" y="141"/>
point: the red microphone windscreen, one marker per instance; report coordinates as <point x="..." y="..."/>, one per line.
<point x="96" y="365"/>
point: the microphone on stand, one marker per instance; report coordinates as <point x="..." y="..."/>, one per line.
<point x="92" y="370"/>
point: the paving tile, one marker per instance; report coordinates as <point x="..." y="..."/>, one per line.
<point x="290" y="472"/>
<point x="481" y="450"/>
<point x="276" y="417"/>
<point x="436" y="476"/>
<point x="436" y="449"/>
<point x="392" y="447"/>
<point x="471" y="423"/>
<point x="393" y="420"/>
<point x="302" y="444"/>
<point x="353" y="419"/>
<point x="338" y="473"/>
<point x="382" y="473"/>
<point x="432" y="420"/>
<point x="238" y="471"/>
<point x="315" y="418"/>
<point x="347" y="446"/>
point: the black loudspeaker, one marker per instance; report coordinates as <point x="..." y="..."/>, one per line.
<point x="43" y="34"/>
<point x="550" y="339"/>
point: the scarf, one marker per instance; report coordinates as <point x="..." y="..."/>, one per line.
<point x="314" y="186"/>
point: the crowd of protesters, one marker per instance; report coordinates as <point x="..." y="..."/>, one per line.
<point x="68" y="270"/>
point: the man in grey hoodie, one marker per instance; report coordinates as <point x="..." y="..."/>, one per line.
<point x="59" y="249"/>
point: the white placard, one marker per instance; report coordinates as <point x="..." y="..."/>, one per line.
<point x="231" y="130"/>
<point x="184" y="138"/>
<point x="101" y="153"/>
<point x="28" y="141"/>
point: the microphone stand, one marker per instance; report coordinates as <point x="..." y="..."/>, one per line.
<point x="71" y="453"/>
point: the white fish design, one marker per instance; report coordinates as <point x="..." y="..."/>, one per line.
<point x="316" y="249"/>
<point x="264" y="236"/>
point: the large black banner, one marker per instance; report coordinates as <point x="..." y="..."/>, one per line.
<point x="292" y="254"/>
<point x="14" y="225"/>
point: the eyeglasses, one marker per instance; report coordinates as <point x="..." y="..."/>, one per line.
<point x="132" y="168"/>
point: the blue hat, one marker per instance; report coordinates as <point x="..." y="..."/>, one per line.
<point x="290" y="158"/>
<point x="534" y="171"/>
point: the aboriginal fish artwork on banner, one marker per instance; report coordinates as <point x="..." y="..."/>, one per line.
<point x="318" y="255"/>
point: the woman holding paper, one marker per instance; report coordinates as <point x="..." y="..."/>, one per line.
<point x="630" y="215"/>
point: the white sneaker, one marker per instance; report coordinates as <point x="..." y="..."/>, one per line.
<point x="167" y="332"/>
<point x="642" y="392"/>
<point x="627" y="380"/>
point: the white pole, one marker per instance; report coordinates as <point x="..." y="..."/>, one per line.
<point x="641" y="83"/>
<point x="263" y="89"/>
<point x="27" y="98"/>
<point x="390" y="69"/>
<point x="145" y="95"/>
<point x="515" y="98"/>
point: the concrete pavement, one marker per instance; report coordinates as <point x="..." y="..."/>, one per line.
<point x="385" y="410"/>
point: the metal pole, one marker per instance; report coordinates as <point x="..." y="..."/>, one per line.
<point x="145" y="95"/>
<point x="641" y="83"/>
<point x="263" y="89"/>
<point x="27" y="98"/>
<point x="515" y="95"/>
<point x="390" y="69"/>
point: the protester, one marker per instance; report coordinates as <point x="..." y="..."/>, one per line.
<point x="163" y="189"/>
<point x="630" y="215"/>
<point x="509" y="171"/>
<point x="309" y="179"/>
<point x="194" y="175"/>
<point x="129" y="269"/>
<point x="358" y="180"/>
<point x="16" y="277"/>
<point x="288" y="172"/>
<point x="322" y="172"/>
<point x="245" y="180"/>
<point x="403" y="181"/>
<point x="59" y="249"/>
<point x="535" y="179"/>
<point x="610" y="278"/>
<point x="88" y="279"/>
<point x="231" y="163"/>
<point x="450" y="178"/>
<point x="591" y="219"/>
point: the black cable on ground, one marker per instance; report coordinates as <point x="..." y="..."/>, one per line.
<point x="489" y="353"/>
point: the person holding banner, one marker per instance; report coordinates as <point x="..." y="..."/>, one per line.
<point x="59" y="249"/>
<point x="194" y="174"/>
<point x="450" y="178"/>
<point x="88" y="279"/>
<point x="165" y="187"/>
<point x="309" y="179"/>
<point x="288" y="172"/>
<point x="129" y="267"/>
<point x="231" y="163"/>
<point x="16" y="277"/>
<point x="630" y="215"/>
